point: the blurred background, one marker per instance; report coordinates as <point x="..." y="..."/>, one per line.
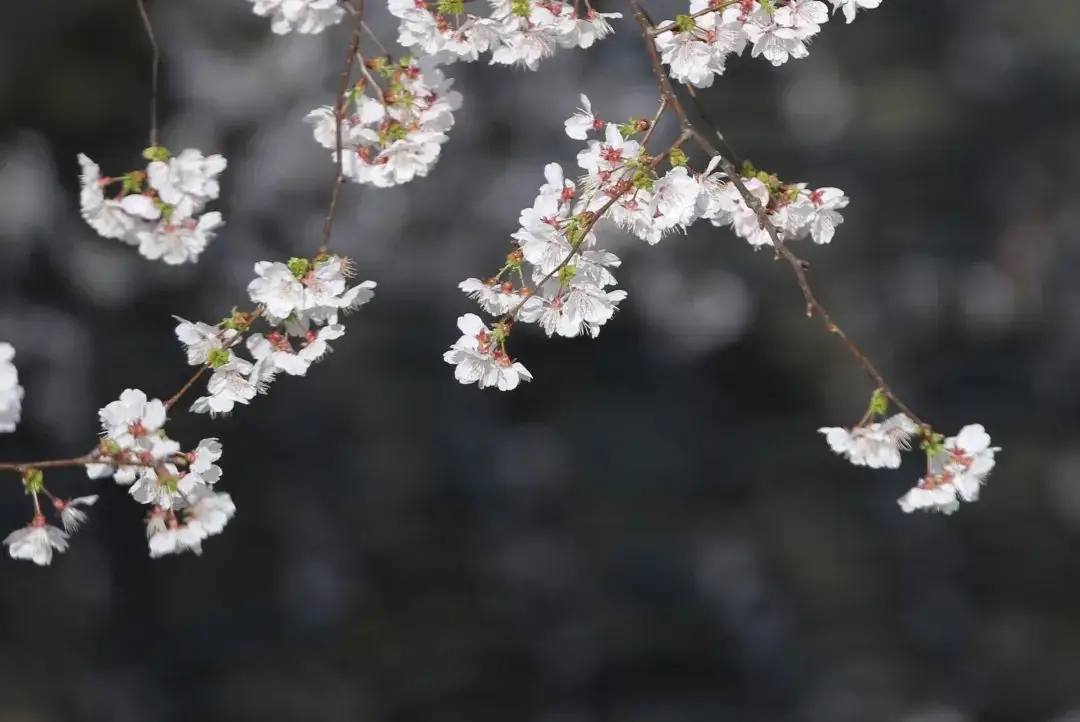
<point x="652" y="530"/>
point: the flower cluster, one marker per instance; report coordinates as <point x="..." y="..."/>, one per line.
<point x="178" y="487"/>
<point x="299" y="16"/>
<point x="793" y="210"/>
<point x="566" y="289"/>
<point x="301" y="301"/>
<point x="396" y="133"/>
<point x="956" y="467"/>
<point x="696" y="46"/>
<point x="158" y="209"/>
<point x="11" y="394"/>
<point x="515" y="32"/>
<point x="956" y="470"/>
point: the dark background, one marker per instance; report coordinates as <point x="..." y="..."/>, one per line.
<point x="652" y="530"/>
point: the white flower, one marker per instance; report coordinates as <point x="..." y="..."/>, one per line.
<point x="495" y="298"/>
<point x="186" y="181"/>
<point x="70" y="515"/>
<point x="11" y="393"/>
<point x="165" y="488"/>
<point x="235" y="382"/>
<point x="209" y="511"/>
<point x="179" y="242"/>
<point x="166" y="536"/>
<point x="816" y="213"/>
<point x="875" y="445"/>
<point x="478" y="358"/>
<point x="277" y="288"/>
<point x="201" y="467"/>
<point x="200" y="339"/>
<point x="107" y="217"/>
<point x="568" y="310"/>
<point x="306" y="17"/>
<point x="954" y="474"/>
<point x="580" y="123"/>
<point x="36" y="542"/>
<point x="850" y="6"/>
<point x="130" y="420"/>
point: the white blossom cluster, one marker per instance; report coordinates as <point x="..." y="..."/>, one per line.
<point x="302" y="302"/>
<point x="136" y="452"/>
<point x="516" y="32"/>
<point x="957" y="466"/>
<point x="11" y="393"/>
<point x="394" y="135"/>
<point x="307" y="17"/>
<point x="793" y="210"/>
<point x="159" y="209"/>
<point x="696" y="46"/>
<point x="566" y="290"/>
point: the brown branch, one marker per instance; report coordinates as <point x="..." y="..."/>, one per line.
<point x="339" y="117"/>
<point x="798" y="266"/>
<point x="154" y="63"/>
<point x="21" y="466"/>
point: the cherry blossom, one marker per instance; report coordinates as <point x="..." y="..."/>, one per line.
<point x="306" y="17"/>
<point x="876" y="445"/>
<point x="11" y="393"/>
<point x="955" y="473"/>
<point x="36" y="542"/>
<point x="71" y="516"/>
<point x="479" y="357"/>
<point x="159" y="210"/>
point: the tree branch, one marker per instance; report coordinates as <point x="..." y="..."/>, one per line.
<point x="798" y="266"/>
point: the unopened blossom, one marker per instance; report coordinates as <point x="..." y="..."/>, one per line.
<point x="36" y="542"/>
<point x="876" y="445"/>
<point x="71" y="516"/>
<point x="956" y="473"/>
<point x="11" y="393"/>
<point x="306" y="17"/>
<point x="479" y="359"/>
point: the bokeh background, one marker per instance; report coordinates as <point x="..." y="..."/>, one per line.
<point x="652" y="530"/>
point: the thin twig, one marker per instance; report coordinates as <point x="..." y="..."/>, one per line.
<point x="186" y="387"/>
<point x="798" y="266"/>
<point x="339" y="117"/>
<point x="154" y="63"/>
<point x="50" y="464"/>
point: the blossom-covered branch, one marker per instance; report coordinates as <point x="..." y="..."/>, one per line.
<point x="387" y="127"/>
